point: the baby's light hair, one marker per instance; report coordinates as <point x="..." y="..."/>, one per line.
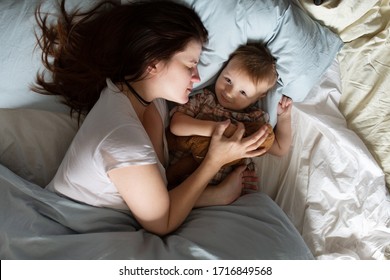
<point x="257" y="62"/>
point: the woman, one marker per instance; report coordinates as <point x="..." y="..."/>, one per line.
<point x="118" y="65"/>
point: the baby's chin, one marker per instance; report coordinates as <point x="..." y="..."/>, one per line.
<point x="230" y="106"/>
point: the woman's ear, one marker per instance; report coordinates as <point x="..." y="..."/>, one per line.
<point x="152" y="69"/>
<point x="155" y="67"/>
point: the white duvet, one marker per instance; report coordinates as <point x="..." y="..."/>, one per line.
<point x="329" y="185"/>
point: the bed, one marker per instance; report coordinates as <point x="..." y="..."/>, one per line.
<point x="327" y="199"/>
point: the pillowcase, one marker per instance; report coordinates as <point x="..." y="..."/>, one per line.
<point x="34" y="142"/>
<point x="302" y="47"/>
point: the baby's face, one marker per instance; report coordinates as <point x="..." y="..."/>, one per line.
<point x="235" y="90"/>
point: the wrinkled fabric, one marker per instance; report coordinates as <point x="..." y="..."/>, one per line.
<point x="38" y="224"/>
<point x="364" y="27"/>
<point x="329" y="184"/>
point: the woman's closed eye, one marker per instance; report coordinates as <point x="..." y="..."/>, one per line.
<point x="192" y="69"/>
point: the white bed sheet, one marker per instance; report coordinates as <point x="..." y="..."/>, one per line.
<point x="329" y="184"/>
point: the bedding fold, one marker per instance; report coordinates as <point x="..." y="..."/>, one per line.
<point x="38" y="224"/>
<point x="329" y="184"/>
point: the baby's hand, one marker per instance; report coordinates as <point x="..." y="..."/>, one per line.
<point x="284" y="105"/>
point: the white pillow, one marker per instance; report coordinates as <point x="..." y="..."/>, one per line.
<point x="303" y="48"/>
<point x="34" y="142"/>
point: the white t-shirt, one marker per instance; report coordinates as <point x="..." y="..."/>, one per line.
<point x="111" y="136"/>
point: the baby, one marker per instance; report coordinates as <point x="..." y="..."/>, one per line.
<point x="248" y="75"/>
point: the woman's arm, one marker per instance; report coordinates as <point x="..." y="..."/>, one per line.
<point x="146" y="195"/>
<point x="160" y="211"/>
<point x="238" y="182"/>
<point x="283" y="134"/>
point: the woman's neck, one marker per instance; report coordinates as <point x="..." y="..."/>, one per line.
<point x="136" y="94"/>
<point x="137" y="101"/>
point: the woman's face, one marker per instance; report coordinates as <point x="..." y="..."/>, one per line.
<point x="177" y="77"/>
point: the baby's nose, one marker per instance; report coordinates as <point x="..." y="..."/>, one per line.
<point x="229" y="92"/>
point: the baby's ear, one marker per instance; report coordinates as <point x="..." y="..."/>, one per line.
<point x="262" y="95"/>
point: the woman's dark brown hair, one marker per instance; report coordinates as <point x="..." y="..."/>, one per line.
<point x="81" y="49"/>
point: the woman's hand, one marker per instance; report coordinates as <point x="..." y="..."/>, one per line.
<point x="240" y="181"/>
<point x="223" y="150"/>
<point x="237" y="183"/>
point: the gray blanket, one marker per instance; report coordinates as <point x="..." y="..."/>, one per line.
<point x="38" y="224"/>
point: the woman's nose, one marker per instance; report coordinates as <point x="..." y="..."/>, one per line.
<point x="195" y="75"/>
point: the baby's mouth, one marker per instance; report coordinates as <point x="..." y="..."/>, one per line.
<point x="224" y="98"/>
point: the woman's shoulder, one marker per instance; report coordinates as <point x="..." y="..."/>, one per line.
<point x="113" y="110"/>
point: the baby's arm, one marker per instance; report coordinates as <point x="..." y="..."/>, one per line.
<point x="185" y="125"/>
<point x="283" y="135"/>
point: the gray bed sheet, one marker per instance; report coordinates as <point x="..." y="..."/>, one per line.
<point x="38" y="224"/>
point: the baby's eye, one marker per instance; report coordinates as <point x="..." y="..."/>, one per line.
<point x="228" y="81"/>
<point x="243" y="93"/>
